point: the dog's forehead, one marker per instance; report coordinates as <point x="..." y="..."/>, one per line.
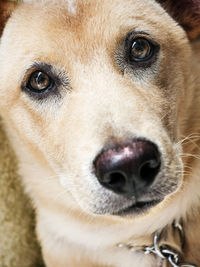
<point x="52" y="31"/>
<point x="71" y="4"/>
<point x="95" y="8"/>
<point x="99" y="16"/>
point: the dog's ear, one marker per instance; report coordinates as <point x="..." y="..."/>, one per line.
<point x="6" y="8"/>
<point x="186" y="13"/>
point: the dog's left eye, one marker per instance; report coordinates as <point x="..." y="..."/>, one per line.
<point x="39" y="82"/>
<point x="141" y="49"/>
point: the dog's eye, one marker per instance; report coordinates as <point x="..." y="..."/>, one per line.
<point x="141" y="50"/>
<point x="39" y="82"/>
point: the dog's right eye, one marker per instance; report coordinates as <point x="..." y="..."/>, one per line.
<point x="39" y="82"/>
<point x="43" y="80"/>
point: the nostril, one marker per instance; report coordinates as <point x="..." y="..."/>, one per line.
<point x="149" y="170"/>
<point x="115" y="180"/>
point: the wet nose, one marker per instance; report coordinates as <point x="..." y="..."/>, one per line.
<point x="128" y="169"/>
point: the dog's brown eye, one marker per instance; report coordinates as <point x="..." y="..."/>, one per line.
<point x="141" y="50"/>
<point x="39" y="82"/>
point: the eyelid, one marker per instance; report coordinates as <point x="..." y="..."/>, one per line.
<point x="46" y="68"/>
<point x="140" y="34"/>
<point x="137" y="34"/>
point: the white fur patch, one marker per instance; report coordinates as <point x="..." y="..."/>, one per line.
<point x="71" y="4"/>
<point x="63" y="182"/>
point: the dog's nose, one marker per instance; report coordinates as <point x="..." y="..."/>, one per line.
<point x="128" y="169"/>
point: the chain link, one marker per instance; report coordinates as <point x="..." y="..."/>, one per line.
<point x="164" y="252"/>
<point x="172" y="257"/>
<point x="167" y="252"/>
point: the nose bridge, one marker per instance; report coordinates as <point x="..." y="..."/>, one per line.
<point x="108" y="95"/>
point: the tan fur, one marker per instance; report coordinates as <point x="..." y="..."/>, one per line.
<point x="57" y="140"/>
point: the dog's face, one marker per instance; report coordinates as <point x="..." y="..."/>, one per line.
<point x="96" y="93"/>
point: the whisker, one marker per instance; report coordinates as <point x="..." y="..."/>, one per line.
<point x="189" y="155"/>
<point x="189" y="138"/>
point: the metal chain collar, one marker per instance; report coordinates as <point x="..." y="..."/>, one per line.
<point x="165" y="252"/>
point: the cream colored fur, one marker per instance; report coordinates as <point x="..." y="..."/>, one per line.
<point x="57" y="141"/>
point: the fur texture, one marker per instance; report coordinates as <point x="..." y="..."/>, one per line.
<point x="100" y="98"/>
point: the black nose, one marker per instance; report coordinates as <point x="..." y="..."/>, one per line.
<point x="128" y="169"/>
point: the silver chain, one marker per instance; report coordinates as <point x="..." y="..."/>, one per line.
<point x="164" y="252"/>
<point x="167" y="252"/>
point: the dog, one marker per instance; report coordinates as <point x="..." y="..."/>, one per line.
<point x="100" y="100"/>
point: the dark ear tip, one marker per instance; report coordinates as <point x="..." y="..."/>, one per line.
<point x="194" y="29"/>
<point x="6" y="8"/>
<point x="186" y="13"/>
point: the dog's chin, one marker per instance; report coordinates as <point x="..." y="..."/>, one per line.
<point x="137" y="208"/>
